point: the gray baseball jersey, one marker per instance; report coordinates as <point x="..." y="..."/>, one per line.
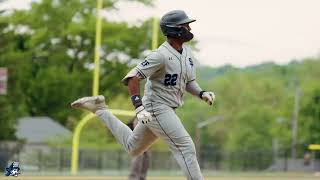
<point x="167" y="72"/>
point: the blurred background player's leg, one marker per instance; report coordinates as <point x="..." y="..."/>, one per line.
<point x="168" y="126"/>
<point x="145" y="164"/>
<point x="139" y="167"/>
<point x="139" y="164"/>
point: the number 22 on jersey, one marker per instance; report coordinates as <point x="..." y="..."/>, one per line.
<point x="170" y="79"/>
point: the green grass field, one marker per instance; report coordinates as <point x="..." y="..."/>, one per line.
<point x="258" y="176"/>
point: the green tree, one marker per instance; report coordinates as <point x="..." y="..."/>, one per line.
<point x="49" y="51"/>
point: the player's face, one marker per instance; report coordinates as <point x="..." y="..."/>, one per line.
<point x="188" y="35"/>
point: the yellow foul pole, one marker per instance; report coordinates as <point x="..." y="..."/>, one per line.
<point x="95" y="91"/>
<point x="155" y="30"/>
<point x="95" y="88"/>
<point x="75" y="143"/>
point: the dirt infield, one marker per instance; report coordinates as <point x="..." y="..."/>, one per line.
<point x="157" y="178"/>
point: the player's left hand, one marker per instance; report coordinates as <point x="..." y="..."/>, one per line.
<point x="208" y="97"/>
<point x="143" y="115"/>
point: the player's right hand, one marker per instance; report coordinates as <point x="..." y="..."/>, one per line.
<point x="143" y="115"/>
<point x="208" y="97"/>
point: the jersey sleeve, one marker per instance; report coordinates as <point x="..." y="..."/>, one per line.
<point x="150" y="65"/>
<point x="132" y="73"/>
<point x="146" y="68"/>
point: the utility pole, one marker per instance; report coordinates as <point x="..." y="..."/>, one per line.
<point x="198" y="132"/>
<point x="197" y="142"/>
<point x="295" y="123"/>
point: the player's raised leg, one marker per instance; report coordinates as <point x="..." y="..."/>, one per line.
<point x="91" y="103"/>
<point x="135" y="142"/>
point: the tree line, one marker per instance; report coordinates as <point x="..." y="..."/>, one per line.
<point x="48" y="50"/>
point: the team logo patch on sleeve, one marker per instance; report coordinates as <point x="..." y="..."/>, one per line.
<point x="145" y="63"/>
<point x="191" y="62"/>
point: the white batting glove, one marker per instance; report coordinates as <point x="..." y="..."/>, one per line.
<point x="208" y="97"/>
<point x="143" y="115"/>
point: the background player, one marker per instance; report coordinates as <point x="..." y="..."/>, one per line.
<point x="139" y="164"/>
<point x="170" y="71"/>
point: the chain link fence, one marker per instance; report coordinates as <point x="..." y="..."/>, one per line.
<point x="48" y="159"/>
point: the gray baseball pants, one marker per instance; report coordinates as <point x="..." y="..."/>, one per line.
<point x="165" y="125"/>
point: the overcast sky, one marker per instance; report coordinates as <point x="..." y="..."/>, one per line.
<point x="238" y="32"/>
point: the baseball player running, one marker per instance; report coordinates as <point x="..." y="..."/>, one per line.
<point x="170" y="71"/>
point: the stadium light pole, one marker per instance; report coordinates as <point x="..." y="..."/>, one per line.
<point x="201" y="125"/>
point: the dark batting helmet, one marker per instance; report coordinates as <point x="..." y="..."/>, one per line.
<point x="171" y="22"/>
